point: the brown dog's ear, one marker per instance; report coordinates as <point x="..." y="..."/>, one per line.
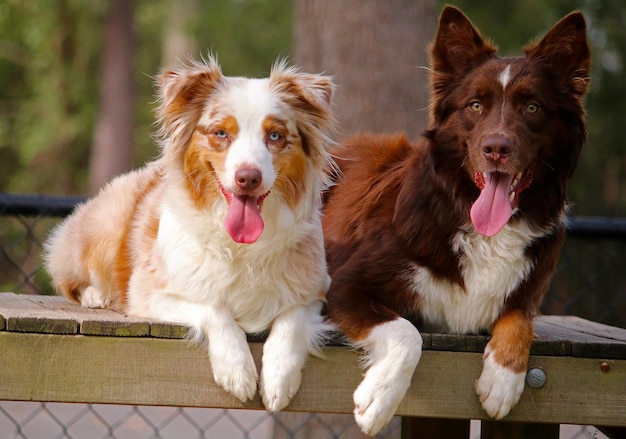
<point x="458" y="47"/>
<point x="183" y="93"/>
<point x="566" y="52"/>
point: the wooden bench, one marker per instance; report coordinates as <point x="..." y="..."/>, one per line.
<point x="52" y="350"/>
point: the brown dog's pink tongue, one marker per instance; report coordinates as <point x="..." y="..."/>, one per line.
<point x="492" y="210"/>
<point x="243" y="220"/>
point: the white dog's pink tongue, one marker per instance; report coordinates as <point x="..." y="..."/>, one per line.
<point x="243" y="220"/>
<point x="492" y="210"/>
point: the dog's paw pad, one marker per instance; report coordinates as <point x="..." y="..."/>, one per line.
<point x="277" y="390"/>
<point x="373" y="415"/>
<point x="243" y="388"/>
<point x="499" y="388"/>
<point x="375" y="404"/>
<point x="362" y="399"/>
<point x="238" y="378"/>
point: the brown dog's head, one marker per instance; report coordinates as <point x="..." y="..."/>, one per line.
<point x="518" y="120"/>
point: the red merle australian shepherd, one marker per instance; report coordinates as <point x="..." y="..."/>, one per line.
<point x="460" y="231"/>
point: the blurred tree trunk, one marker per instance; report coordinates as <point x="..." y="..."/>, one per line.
<point x="178" y="42"/>
<point x="112" y="148"/>
<point x="377" y="51"/>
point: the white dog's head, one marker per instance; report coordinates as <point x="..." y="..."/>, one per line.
<point x="239" y="139"/>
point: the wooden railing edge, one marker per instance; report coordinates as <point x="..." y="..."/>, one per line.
<point x="581" y="386"/>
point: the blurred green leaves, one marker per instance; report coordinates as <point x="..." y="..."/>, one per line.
<point x="50" y="63"/>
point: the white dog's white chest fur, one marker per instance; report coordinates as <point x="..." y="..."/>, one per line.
<point x="253" y="282"/>
<point x="492" y="268"/>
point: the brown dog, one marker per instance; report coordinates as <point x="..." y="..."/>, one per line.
<point x="462" y="230"/>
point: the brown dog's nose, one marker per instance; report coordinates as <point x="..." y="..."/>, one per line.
<point x="496" y="149"/>
<point x="248" y="179"/>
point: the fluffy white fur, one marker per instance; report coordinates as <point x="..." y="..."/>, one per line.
<point x="153" y="242"/>
<point x="498" y="387"/>
<point x="492" y="268"/>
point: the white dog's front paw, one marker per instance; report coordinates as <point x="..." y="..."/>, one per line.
<point x="91" y="297"/>
<point x="376" y="404"/>
<point x="281" y="374"/>
<point x="236" y="373"/>
<point x="294" y="334"/>
<point x="499" y="388"/>
<point x="279" y="386"/>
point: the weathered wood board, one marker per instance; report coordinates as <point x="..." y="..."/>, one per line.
<point x="51" y="350"/>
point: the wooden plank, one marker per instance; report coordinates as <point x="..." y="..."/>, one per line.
<point x="151" y="371"/>
<point x="2" y="319"/>
<point x="587" y="327"/>
<point x="57" y="315"/>
<point x="454" y="342"/>
<point x="168" y="330"/>
<point x="108" y="322"/>
<point x="555" y="335"/>
<point x="583" y="338"/>
<point x="24" y="313"/>
<point x="97" y="321"/>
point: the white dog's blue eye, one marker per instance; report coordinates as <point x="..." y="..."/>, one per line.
<point x="221" y="134"/>
<point x="274" y="137"/>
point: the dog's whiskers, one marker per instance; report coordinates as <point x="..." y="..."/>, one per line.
<point x="545" y="163"/>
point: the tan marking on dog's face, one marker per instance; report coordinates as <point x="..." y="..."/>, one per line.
<point x="289" y="158"/>
<point x="205" y="157"/>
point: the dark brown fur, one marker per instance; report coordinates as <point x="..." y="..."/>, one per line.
<point x="398" y="200"/>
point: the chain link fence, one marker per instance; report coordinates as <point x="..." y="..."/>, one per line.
<point x="590" y="282"/>
<point x="100" y="421"/>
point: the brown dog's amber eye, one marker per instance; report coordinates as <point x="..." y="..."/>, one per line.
<point x="475" y="106"/>
<point x="532" y="108"/>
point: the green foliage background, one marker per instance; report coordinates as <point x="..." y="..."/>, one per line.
<point x="49" y="66"/>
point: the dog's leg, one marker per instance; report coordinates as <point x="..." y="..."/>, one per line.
<point x="231" y="360"/>
<point x="294" y="334"/>
<point x="501" y="382"/>
<point x="393" y="350"/>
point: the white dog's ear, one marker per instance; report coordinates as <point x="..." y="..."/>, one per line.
<point x="183" y="93"/>
<point x="310" y="95"/>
